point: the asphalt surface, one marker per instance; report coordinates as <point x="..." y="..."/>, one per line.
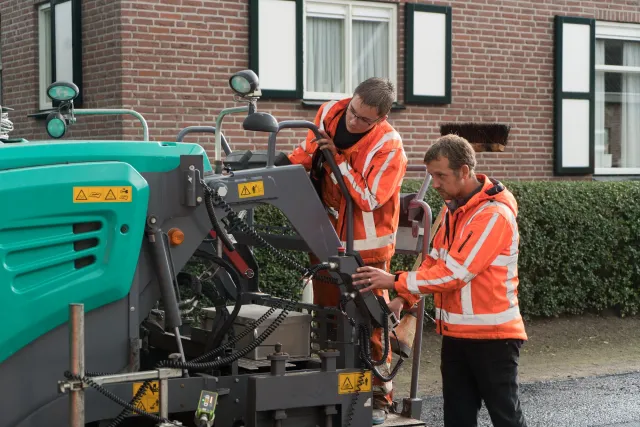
<point x="607" y="401"/>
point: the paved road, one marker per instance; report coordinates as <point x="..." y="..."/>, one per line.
<point x="608" y="401"/>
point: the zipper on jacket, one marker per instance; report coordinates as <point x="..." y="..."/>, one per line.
<point x="465" y="241"/>
<point x="449" y="238"/>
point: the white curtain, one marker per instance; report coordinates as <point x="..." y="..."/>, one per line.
<point x="325" y="55"/>
<point x="370" y="50"/>
<point x="631" y="107"/>
<point x="602" y="160"/>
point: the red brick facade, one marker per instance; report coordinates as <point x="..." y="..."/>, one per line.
<point x="137" y="52"/>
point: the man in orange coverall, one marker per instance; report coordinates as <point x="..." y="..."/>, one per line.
<point x="371" y="158"/>
<point x="473" y="272"/>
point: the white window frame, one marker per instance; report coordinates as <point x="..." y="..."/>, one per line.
<point x="371" y="11"/>
<point x="44" y="57"/>
<point x="616" y="31"/>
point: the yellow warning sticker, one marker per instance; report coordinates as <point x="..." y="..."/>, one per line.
<point x="348" y="383"/>
<point x="150" y="401"/>
<point x="251" y="189"/>
<point x="102" y="195"/>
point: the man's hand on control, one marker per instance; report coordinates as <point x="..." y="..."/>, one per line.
<point x="326" y="143"/>
<point x="373" y="278"/>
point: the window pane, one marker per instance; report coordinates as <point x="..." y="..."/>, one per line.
<point x="618" y="121"/>
<point x="325" y="55"/>
<point x="613" y="52"/>
<point x="370" y="50"/>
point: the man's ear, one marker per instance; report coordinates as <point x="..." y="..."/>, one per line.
<point x="465" y="171"/>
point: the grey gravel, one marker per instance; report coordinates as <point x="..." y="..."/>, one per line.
<point x="605" y="401"/>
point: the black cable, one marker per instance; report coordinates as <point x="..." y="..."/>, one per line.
<point x="232" y="358"/>
<point x="365" y="355"/>
<point x="214" y="341"/>
<point x="220" y="234"/>
<point x="114" y="397"/>
<point x="125" y="412"/>
<point x="250" y="328"/>
<point x="237" y="223"/>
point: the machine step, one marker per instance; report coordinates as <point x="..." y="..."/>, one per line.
<point x="396" y="420"/>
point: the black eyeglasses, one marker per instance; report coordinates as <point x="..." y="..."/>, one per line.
<point x="363" y="119"/>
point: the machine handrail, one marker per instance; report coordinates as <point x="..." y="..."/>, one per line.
<point x="304" y="124"/>
<point x="204" y="129"/>
<point x="96" y="111"/>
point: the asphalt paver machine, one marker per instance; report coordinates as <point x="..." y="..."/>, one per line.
<point x="97" y="301"/>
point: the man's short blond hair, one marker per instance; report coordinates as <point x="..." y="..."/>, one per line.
<point x="455" y="148"/>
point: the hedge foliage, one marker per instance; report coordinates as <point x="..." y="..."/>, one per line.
<point x="579" y="247"/>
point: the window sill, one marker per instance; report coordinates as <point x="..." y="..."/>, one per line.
<point x="612" y="178"/>
<point x="315" y="103"/>
<point x="41" y="115"/>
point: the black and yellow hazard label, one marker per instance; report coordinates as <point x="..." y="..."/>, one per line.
<point x="250" y="189"/>
<point x="348" y="383"/>
<point x="150" y="400"/>
<point x="102" y="195"/>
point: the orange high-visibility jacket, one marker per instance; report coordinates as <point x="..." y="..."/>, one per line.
<point x="373" y="170"/>
<point x="473" y="268"/>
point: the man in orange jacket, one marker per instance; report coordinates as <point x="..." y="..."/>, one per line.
<point x="473" y="273"/>
<point x="371" y="158"/>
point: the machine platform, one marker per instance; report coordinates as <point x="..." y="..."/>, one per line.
<point x="396" y="420"/>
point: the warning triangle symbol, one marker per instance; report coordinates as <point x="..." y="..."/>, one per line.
<point x="346" y="385"/>
<point x="81" y="196"/>
<point x="245" y="191"/>
<point x="110" y="196"/>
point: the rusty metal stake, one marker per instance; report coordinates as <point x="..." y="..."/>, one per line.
<point x="76" y="352"/>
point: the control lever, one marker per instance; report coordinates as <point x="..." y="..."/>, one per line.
<point x="369" y="304"/>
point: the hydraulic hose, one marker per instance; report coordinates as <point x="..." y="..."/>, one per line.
<point x="214" y="341"/>
<point x="215" y="223"/>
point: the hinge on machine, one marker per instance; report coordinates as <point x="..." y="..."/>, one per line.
<point x="191" y="167"/>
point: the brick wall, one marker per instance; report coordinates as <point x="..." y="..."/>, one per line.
<point x="502" y="72"/>
<point x="101" y="65"/>
<point x="177" y="57"/>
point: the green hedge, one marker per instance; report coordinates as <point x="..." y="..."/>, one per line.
<point x="579" y="247"/>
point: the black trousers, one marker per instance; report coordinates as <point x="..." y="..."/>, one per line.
<point x="481" y="370"/>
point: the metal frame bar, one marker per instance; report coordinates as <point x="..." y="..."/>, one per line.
<point x="76" y="365"/>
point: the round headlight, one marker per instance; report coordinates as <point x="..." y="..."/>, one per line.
<point x="244" y="82"/>
<point x="240" y="84"/>
<point x="56" y="125"/>
<point x="62" y="91"/>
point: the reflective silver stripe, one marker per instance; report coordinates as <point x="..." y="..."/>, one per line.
<point x="385" y="165"/>
<point x="413" y="283"/>
<point x="369" y="225"/>
<point x="483" y="207"/>
<point x="444" y="253"/>
<point x="434" y="253"/>
<point x="481" y="240"/>
<point x="373" y="243"/>
<point x="364" y="195"/>
<point x="325" y="111"/>
<point x="512" y="259"/>
<point x="505" y="260"/>
<point x="333" y="212"/>
<point x="465" y="299"/>
<point x="512" y="270"/>
<point x="460" y="272"/>
<point x="333" y="178"/>
<point x="508" y="315"/>
<point x="386" y="137"/>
